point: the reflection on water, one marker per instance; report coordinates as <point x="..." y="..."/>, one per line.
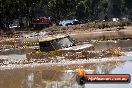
<point x="51" y="77"/>
<point x="106" y="68"/>
<point x="123" y="68"/>
<point x="23" y="78"/>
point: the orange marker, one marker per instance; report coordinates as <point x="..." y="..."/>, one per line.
<point x="81" y="72"/>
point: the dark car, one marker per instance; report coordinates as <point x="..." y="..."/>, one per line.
<point x="3" y="26"/>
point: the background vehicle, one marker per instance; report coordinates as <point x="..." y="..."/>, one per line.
<point x="69" y="22"/>
<point x="40" y="22"/>
<point x="15" y="24"/>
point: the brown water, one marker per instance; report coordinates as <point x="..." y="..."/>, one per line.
<point x="64" y="76"/>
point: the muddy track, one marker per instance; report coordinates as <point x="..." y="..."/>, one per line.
<point x="73" y="55"/>
<point x="102" y="35"/>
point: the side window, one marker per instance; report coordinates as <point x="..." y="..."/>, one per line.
<point x="56" y="44"/>
<point x="46" y="46"/>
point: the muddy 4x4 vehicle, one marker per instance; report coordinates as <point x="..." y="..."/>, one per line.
<point x="58" y="45"/>
<point x="64" y="46"/>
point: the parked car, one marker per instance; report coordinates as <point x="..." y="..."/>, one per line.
<point x="6" y="25"/>
<point x="69" y="22"/>
<point x="40" y="22"/>
<point x="16" y="26"/>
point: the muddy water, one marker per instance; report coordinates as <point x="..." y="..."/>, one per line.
<point x="64" y="76"/>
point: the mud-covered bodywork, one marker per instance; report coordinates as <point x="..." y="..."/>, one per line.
<point x="55" y="43"/>
<point x="64" y="47"/>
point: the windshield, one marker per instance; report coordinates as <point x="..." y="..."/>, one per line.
<point x="62" y="43"/>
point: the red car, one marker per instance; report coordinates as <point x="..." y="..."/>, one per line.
<point x="41" y="22"/>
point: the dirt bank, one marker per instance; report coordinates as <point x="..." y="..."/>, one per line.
<point x="102" y="34"/>
<point x="84" y="32"/>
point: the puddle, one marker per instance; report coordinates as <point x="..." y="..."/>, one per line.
<point x="123" y="68"/>
<point x="62" y="75"/>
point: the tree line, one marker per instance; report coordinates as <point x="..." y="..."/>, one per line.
<point x="61" y="9"/>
